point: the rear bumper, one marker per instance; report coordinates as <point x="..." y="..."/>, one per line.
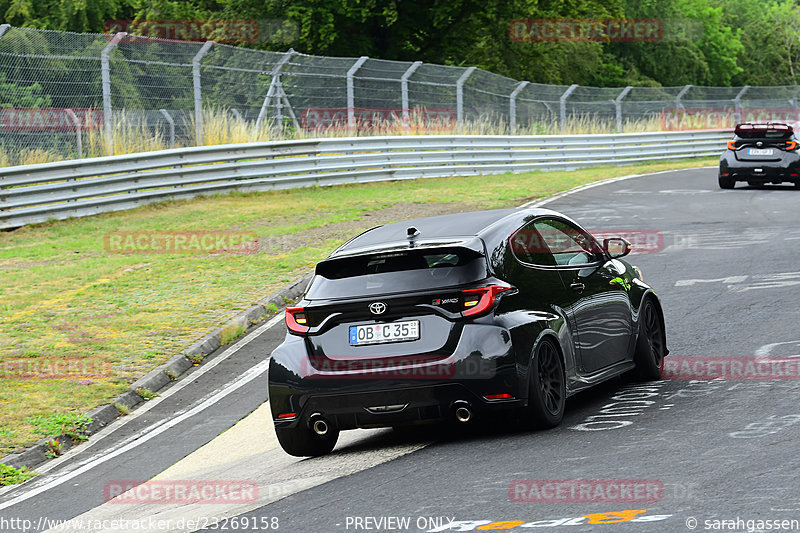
<point x="786" y="170"/>
<point x="393" y="406"/>
<point x="388" y="396"/>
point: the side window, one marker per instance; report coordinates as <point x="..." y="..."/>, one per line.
<point x="568" y="244"/>
<point x="529" y="247"/>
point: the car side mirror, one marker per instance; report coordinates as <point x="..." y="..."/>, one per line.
<point x="616" y="247"/>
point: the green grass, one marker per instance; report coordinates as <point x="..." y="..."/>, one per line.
<point x="11" y="476"/>
<point x="113" y="317"/>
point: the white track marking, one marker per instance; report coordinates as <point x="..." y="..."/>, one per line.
<point x="249" y="453"/>
<point x="544" y="201"/>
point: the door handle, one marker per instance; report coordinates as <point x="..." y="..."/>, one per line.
<point x="577" y="286"/>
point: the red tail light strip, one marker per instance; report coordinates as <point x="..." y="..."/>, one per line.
<point x="296" y="319"/>
<point x="486" y="298"/>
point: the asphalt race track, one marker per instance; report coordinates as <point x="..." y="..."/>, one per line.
<point x="675" y="455"/>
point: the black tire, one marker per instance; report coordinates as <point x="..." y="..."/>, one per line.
<point x="302" y="442"/>
<point x="726" y="182"/>
<point x="548" y="391"/>
<point x="651" y="343"/>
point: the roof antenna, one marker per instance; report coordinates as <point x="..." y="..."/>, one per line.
<point x="411" y="234"/>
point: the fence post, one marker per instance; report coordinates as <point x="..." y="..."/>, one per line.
<point x="351" y="96"/>
<point x="618" y="106"/>
<point x="404" y="91"/>
<point x="78" y="137"/>
<point x="460" y="96"/>
<point x="737" y="103"/>
<point x="512" y="107"/>
<point x="276" y="76"/>
<point x="562" y="105"/>
<point x="198" y="95"/>
<point x="171" y="123"/>
<point x="3" y="29"/>
<point x="678" y="103"/>
<point x="793" y="99"/>
<point x="105" y="76"/>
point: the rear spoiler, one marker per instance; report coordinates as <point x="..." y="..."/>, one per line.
<point x="750" y="128"/>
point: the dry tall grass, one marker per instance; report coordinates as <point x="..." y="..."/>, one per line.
<point x="132" y="134"/>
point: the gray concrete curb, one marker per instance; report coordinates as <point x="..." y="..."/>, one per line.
<point x="161" y="376"/>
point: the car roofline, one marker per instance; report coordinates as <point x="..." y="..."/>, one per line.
<point x="473" y="242"/>
<point x="514" y="214"/>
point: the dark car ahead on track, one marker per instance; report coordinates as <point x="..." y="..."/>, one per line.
<point x="760" y="153"/>
<point x="456" y="316"/>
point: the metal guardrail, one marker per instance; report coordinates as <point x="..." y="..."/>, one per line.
<point x="74" y="188"/>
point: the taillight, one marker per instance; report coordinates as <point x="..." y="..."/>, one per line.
<point x="502" y="396"/>
<point x="478" y="301"/>
<point x="296" y="319"/>
<point x="731" y="145"/>
<point x="791" y="145"/>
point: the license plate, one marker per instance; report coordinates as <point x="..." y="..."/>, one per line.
<point x="759" y="151"/>
<point x="380" y="333"/>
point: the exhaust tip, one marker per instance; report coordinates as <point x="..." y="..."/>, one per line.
<point x="462" y="411"/>
<point x="320" y="427"/>
<point x="463" y="414"/>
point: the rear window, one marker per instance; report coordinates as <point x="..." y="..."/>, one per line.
<point x="394" y="272"/>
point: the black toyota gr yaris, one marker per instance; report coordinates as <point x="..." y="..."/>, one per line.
<point x="458" y="316"/>
<point x="760" y="153"/>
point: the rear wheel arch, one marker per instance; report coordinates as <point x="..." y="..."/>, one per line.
<point x="552" y="337"/>
<point x="651" y="341"/>
<point x="650" y="295"/>
<point x="547" y="379"/>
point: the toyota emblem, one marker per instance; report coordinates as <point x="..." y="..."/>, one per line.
<point x="377" y="308"/>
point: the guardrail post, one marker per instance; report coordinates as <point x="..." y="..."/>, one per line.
<point x="171" y="123"/>
<point x="351" y="96"/>
<point x="618" y="106"/>
<point x="404" y="91"/>
<point x="276" y="77"/>
<point x="78" y="137"/>
<point x="198" y="95"/>
<point x="562" y="104"/>
<point x="460" y="96"/>
<point x="105" y="76"/>
<point x="512" y="107"/>
<point x="737" y="103"/>
<point x="678" y="103"/>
